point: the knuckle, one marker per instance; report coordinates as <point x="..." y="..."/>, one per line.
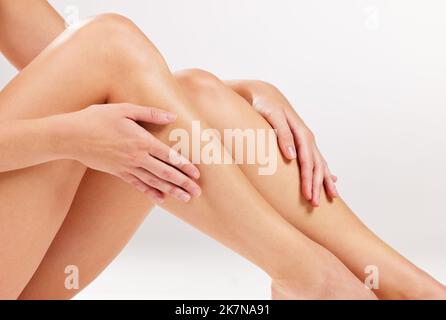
<point x="167" y="174"/>
<point x="135" y="159"/>
<point x="138" y="185"/>
<point x="142" y="143"/>
<point x="154" y="146"/>
<point x="306" y="174"/>
<point x="310" y="135"/>
<point x="123" y="175"/>
<point x="132" y="180"/>
<point x="318" y="169"/>
<point x="154" y="182"/>
<point x="154" y="113"/>
<point x="185" y="184"/>
<point x="171" y="190"/>
<point x="185" y="166"/>
<point x="306" y="163"/>
<point x="286" y="135"/>
<point x="268" y="113"/>
<point x="148" y="140"/>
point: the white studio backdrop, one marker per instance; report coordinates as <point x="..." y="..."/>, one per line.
<point x="369" y="77"/>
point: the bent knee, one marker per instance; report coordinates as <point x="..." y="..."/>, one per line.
<point x="108" y="26"/>
<point x="114" y="37"/>
<point x="199" y="80"/>
<point x="104" y="28"/>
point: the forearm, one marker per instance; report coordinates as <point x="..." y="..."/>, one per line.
<point x="25" y="143"/>
<point x="26" y="28"/>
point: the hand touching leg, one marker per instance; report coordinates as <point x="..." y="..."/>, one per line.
<point x="247" y="224"/>
<point x="333" y="225"/>
<point x="68" y="76"/>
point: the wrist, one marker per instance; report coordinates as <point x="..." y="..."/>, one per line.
<point x="59" y="136"/>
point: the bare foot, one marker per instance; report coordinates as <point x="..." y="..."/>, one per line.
<point x="289" y="290"/>
<point x="334" y="282"/>
<point x="412" y="283"/>
<point x="426" y="288"/>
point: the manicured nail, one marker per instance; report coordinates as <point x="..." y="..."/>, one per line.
<point x="184" y="197"/>
<point x="292" y="152"/>
<point x="196" y="191"/>
<point x="309" y="195"/>
<point x="194" y="173"/>
<point x="170" y="116"/>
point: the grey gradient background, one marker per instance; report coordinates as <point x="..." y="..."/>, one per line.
<point x="369" y="77"/>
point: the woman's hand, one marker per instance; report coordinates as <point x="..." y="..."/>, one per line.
<point x="107" y="138"/>
<point x="295" y="139"/>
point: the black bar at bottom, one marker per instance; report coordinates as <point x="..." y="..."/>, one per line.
<point x="224" y="309"/>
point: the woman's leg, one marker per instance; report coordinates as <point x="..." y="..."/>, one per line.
<point x="83" y="211"/>
<point x="71" y="74"/>
<point x="333" y="225"/>
<point x="197" y="84"/>
<point x="34" y="201"/>
<point x="105" y="214"/>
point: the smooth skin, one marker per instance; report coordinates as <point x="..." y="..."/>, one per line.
<point x="23" y="37"/>
<point x="247" y="224"/>
<point x="118" y="210"/>
<point x="149" y="81"/>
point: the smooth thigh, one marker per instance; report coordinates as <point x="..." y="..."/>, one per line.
<point x="270" y="242"/>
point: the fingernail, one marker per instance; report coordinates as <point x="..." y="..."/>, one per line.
<point x="194" y="173"/>
<point x="309" y="195"/>
<point x="184" y="197"/>
<point x="292" y="152"/>
<point x="170" y="116"/>
<point x="196" y="191"/>
<point x="315" y="202"/>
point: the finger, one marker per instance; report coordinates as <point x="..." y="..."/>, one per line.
<point x="318" y="177"/>
<point x="329" y="184"/>
<point x="151" y="192"/>
<point x="170" y="156"/>
<point x="148" y="114"/>
<point x="157" y="196"/>
<point x="285" y="137"/>
<point x="161" y="185"/>
<point x="171" y="174"/>
<point x="306" y="163"/>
